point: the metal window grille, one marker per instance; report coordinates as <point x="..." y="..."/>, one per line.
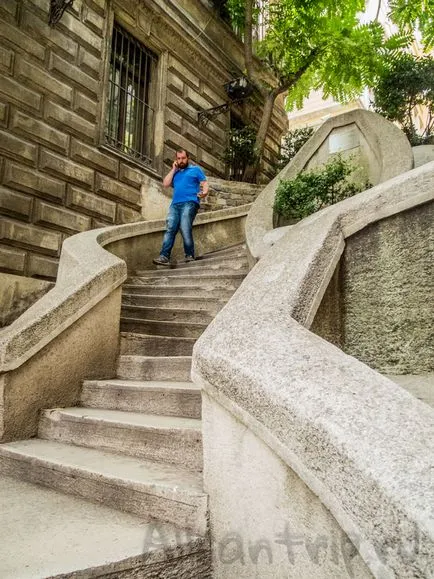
<point x="130" y="111"/>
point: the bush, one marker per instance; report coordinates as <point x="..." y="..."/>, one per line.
<point x="240" y="151"/>
<point x="312" y="190"/>
<point x="405" y="84"/>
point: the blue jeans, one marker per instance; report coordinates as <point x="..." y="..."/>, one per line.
<point x="180" y="217"/>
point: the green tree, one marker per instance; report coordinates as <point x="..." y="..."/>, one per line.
<point x="308" y="44"/>
<point x="411" y="15"/>
<point x="406" y="82"/>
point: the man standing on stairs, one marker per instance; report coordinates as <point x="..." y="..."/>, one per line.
<point x="189" y="186"/>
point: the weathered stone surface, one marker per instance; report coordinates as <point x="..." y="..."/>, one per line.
<point x="3" y="113"/>
<point x="5" y="58"/>
<point x="178" y="69"/>
<point x="23" y="179"/>
<point x="42" y="266"/>
<point x="267" y="518"/>
<point x="210" y="162"/>
<point x="17" y="294"/>
<point x="309" y="402"/>
<point x="39" y="131"/>
<point x="173" y="120"/>
<point x="127" y="215"/>
<point x="65" y="168"/>
<point x="12" y="259"/>
<point x="196" y="99"/>
<point x="93" y="20"/>
<point x="85" y="106"/>
<point x="19" y="93"/>
<point x="31" y="236"/>
<point x="43" y="80"/>
<point x="116" y="190"/>
<point x="60" y="218"/>
<point x="176" y="140"/>
<point x="10" y="6"/>
<point x="12" y="146"/>
<point x="92" y="157"/>
<point x="14" y="203"/>
<point x="73" y="75"/>
<point x="22" y="41"/>
<point x="196" y="135"/>
<point x="89" y="63"/>
<point x="386" y="293"/>
<point x="82" y="33"/>
<point x="175" y="83"/>
<point x="54" y="37"/>
<point x="423" y="154"/>
<point x="90" y="203"/>
<point x="69" y="121"/>
<point x="180" y="106"/>
<point x="132" y="176"/>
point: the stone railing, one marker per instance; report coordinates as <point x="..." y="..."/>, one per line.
<point x="314" y="462"/>
<point x="72" y="332"/>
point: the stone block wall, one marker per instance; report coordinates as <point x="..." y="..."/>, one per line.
<point x="57" y="177"/>
<point x="55" y="181"/>
<point x="224" y="194"/>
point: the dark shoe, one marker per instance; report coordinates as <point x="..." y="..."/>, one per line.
<point x="161" y="260"/>
<point x="188" y="258"/>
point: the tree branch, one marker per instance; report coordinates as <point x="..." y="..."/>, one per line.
<point x="291" y="79"/>
<point x="248" y="48"/>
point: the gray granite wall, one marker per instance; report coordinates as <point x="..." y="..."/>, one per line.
<point x="379" y="304"/>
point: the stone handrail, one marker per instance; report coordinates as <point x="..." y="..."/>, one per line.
<point x="72" y="332"/>
<point x="87" y="273"/>
<point x="359" y="442"/>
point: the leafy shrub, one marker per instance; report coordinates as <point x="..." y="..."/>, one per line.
<point x="240" y="151"/>
<point x="313" y="190"/>
<point x="405" y="83"/>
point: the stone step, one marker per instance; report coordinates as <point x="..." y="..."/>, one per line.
<point x="239" y="248"/>
<point x="145" y="488"/>
<point x="177" y="329"/>
<point x="181" y="291"/>
<point x="166" y="314"/>
<point x="168" y="439"/>
<point x="181" y="399"/>
<point x="144" y="345"/>
<point x="72" y="537"/>
<point x="192" y="271"/>
<point x="200" y="282"/>
<point x="235" y="261"/>
<point x="167" y="368"/>
<point x="209" y="304"/>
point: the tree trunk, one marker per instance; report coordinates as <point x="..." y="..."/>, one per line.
<point x="250" y="172"/>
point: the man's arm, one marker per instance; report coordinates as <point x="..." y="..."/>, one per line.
<point x="167" y="181"/>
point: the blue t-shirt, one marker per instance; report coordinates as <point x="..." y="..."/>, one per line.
<point x="186" y="184"/>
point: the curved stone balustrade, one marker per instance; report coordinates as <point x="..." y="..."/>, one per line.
<point x="298" y="433"/>
<point x="72" y="332"/>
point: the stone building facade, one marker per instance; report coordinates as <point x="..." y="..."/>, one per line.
<point x="93" y="109"/>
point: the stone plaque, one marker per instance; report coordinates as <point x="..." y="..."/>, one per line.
<point x="344" y="140"/>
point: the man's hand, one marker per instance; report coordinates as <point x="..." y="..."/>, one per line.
<point x="203" y="190"/>
<point x="175" y="166"/>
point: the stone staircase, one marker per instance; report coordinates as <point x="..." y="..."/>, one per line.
<point x="134" y="444"/>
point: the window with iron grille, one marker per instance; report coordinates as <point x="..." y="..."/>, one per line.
<point x="131" y="97"/>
